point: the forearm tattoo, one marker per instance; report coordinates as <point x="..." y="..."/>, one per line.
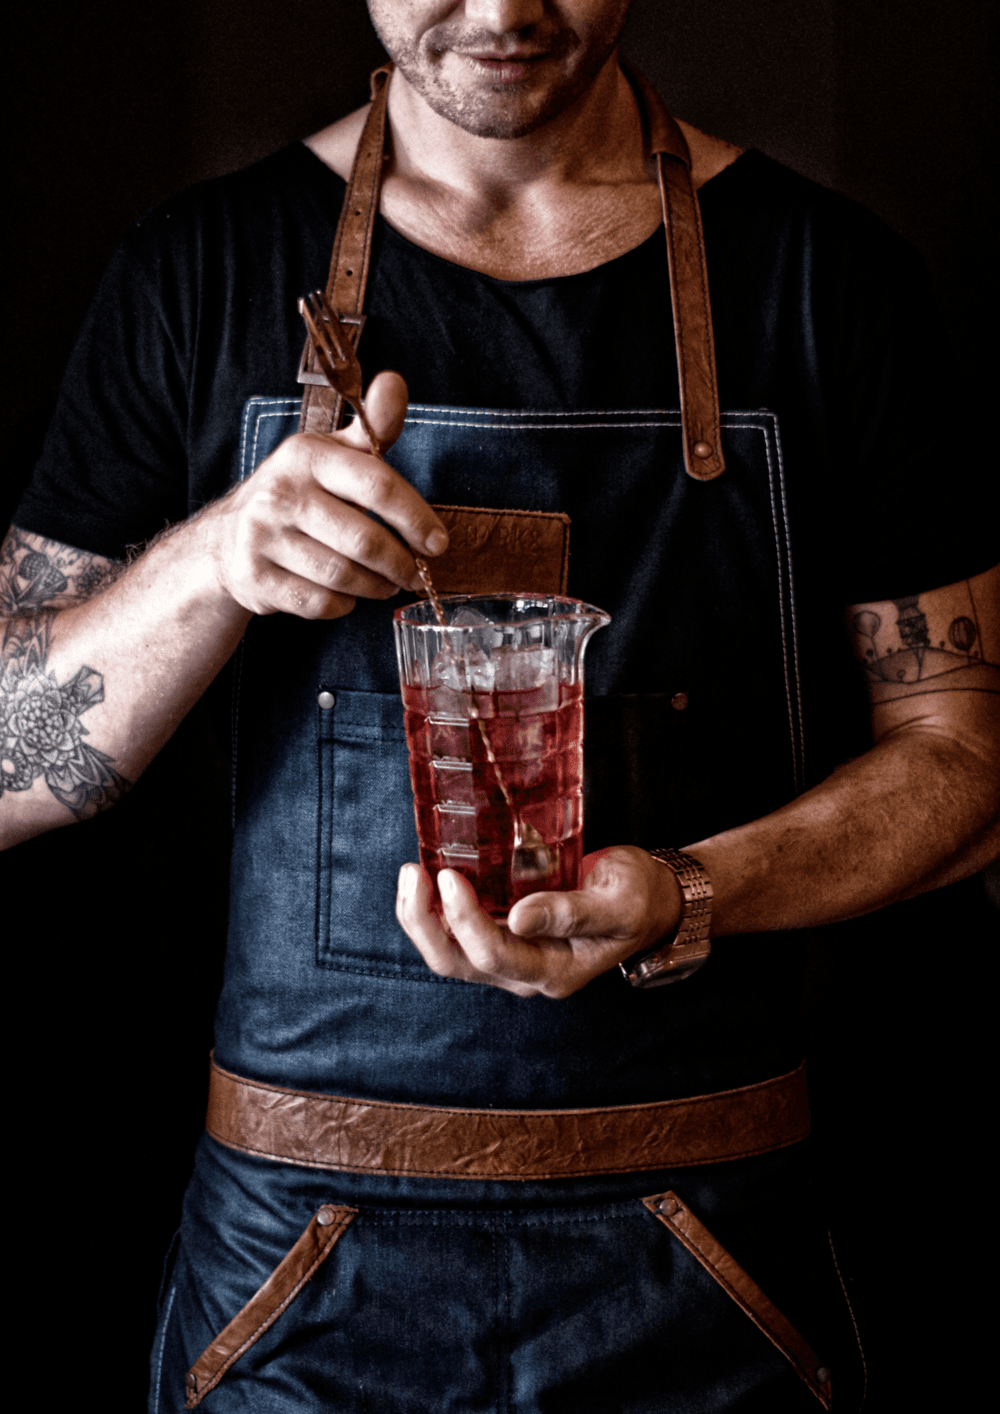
<point x="41" y="734"/>
<point x="36" y="573"/>
<point x="925" y="643"/>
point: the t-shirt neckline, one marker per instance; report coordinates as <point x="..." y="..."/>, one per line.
<point x="536" y="283"/>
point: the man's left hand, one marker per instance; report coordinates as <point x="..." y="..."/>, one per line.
<point x="553" y="943"/>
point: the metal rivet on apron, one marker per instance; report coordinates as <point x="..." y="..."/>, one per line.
<point x="667" y="1206"/>
<point x="326" y="700"/>
<point x="702" y="449"/>
<point x="822" y="1375"/>
<point x="679" y="701"/>
<point x="191" y="1380"/>
<point x="325" y="1217"/>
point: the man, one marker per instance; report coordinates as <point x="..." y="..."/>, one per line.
<point x="460" y="1232"/>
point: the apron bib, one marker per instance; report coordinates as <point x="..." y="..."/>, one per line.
<point x="692" y="726"/>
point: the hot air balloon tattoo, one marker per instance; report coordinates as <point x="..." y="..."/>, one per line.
<point x="867" y="625"/>
<point x="962" y="634"/>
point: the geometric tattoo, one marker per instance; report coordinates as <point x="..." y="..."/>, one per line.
<point x="41" y="734"/>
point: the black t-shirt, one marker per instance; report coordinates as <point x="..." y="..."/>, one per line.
<point x="821" y="315"/>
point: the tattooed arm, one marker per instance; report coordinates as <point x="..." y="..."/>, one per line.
<point x="41" y="732"/>
<point x="99" y="663"/>
<point x="920" y="809"/>
<point x="99" y="668"/>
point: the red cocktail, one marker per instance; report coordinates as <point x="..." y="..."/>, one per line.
<point x="494" y="725"/>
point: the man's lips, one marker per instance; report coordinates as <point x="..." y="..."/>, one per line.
<point x="508" y="68"/>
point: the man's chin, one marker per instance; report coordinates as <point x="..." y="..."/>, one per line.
<point x="509" y="110"/>
<point x="481" y="117"/>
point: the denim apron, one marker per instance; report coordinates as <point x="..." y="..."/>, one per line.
<point x="539" y="1296"/>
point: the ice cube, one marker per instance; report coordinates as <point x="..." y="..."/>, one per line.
<point x="467" y="617"/>
<point x="479" y="669"/>
<point x="520" y="669"/>
<point x="446" y="671"/>
<point x="458" y="670"/>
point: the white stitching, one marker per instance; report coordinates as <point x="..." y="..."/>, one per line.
<point x="235" y="719"/>
<point x="252" y="404"/>
<point x="243" y="437"/>
<point x="256" y="434"/>
<point x="163" y="1341"/>
<point x="527" y="413"/>
<point x="850" y="1312"/>
<point x="781" y="608"/>
<point x="800" y="782"/>
<point x="609" y="426"/>
<point x="538" y="426"/>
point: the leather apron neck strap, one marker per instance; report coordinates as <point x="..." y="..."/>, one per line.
<point x="693" y="336"/>
<point x="322" y="409"/>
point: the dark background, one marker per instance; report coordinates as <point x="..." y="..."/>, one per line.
<point x="112" y="930"/>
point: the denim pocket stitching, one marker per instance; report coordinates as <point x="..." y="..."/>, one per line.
<point x="163" y="1342"/>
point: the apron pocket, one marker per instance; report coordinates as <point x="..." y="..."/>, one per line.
<point x="267" y="1304"/>
<point x="366" y="831"/>
<point x="675" y="1215"/>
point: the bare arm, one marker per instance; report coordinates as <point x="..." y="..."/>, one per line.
<point x="920" y="809"/>
<point x="100" y="667"/>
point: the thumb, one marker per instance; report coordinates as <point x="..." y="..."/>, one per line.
<point x="385" y="407"/>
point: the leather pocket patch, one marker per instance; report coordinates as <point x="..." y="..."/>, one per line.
<point x="267" y="1304"/>
<point x="675" y="1215"/>
<point x="496" y="552"/>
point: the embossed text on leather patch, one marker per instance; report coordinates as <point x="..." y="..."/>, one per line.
<point x="494" y="551"/>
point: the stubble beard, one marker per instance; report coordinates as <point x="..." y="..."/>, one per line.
<point x="508" y="110"/>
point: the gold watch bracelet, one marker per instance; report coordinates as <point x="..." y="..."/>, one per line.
<point x="673" y="959"/>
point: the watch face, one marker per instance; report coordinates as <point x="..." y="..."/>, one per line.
<point x="672" y="963"/>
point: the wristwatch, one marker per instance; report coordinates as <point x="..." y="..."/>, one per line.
<point x="673" y="959"/>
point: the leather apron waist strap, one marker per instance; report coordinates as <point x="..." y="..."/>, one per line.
<point x="363" y="1136"/>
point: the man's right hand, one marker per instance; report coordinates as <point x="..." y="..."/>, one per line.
<point x="298" y="536"/>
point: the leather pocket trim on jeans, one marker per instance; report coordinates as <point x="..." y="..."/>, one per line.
<point x="674" y="1214"/>
<point x="267" y="1304"/>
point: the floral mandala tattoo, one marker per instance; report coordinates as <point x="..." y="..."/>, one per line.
<point x="40" y="729"/>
